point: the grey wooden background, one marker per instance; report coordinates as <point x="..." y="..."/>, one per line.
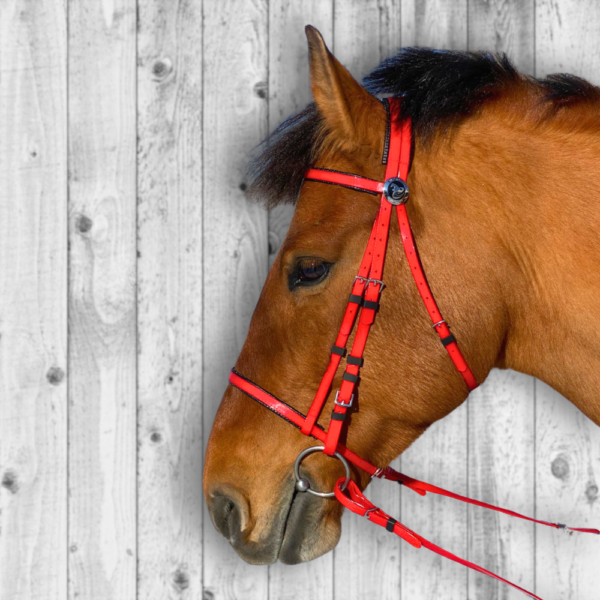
<point x="130" y="264"/>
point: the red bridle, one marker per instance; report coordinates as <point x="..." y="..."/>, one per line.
<point x="364" y="303"/>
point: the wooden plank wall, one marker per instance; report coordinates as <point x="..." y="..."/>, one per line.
<point x="130" y="264"/>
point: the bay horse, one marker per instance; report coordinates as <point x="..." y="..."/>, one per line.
<point x="504" y="197"/>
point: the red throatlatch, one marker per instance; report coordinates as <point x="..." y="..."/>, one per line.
<point x="363" y="304"/>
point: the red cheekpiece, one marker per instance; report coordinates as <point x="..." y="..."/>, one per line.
<point x="363" y="303"/>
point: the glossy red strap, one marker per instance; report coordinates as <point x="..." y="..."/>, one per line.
<point x="422" y="488"/>
<point x="352" y="310"/>
<point x="440" y="325"/>
<point x="291" y="415"/>
<point x="355" y="182"/>
<point x="355" y="500"/>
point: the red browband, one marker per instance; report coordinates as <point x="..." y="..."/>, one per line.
<point x="364" y="303"/>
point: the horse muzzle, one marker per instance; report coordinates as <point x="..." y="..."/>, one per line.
<point x="300" y="527"/>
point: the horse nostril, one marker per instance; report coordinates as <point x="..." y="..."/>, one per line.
<point x="225" y="516"/>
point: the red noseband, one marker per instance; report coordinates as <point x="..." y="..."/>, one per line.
<point x="363" y="305"/>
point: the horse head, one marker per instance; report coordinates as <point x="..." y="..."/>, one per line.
<point x="472" y="117"/>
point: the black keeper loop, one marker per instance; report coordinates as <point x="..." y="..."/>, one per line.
<point x="336" y="416"/>
<point x="355" y="299"/>
<point x="371" y="304"/>
<point x="338" y="350"/>
<point x="390" y="524"/>
<point x="349" y="377"/>
<point x="448" y="340"/>
<point x="355" y="360"/>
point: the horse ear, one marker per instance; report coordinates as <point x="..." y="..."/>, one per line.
<point x="346" y="106"/>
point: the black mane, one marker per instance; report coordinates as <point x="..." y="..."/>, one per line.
<point x="440" y="88"/>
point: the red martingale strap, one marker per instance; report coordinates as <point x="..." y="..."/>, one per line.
<point x="363" y="304"/>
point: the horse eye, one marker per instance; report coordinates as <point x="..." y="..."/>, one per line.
<point x="309" y="271"/>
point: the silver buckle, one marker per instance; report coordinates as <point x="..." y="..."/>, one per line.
<point x="344" y="404"/>
<point x="438" y="323"/>
<point x="377" y="473"/>
<point x="365" y="280"/>
<point x="379" y="282"/>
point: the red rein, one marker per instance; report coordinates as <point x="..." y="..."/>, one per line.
<point x="363" y="303"/>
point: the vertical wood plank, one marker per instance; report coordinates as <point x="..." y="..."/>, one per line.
<point x="289" y="81"/>
<point x="504" y="26"/>
<point x="566" y="38"/>
<point x="501" y="412"/>
<point x="502" y="472"/>
<point x="367" y="559"/>
<point x="235" y="234"/>
<point x="33" y="300"/>
<point x="170" y="299"/>
<point x="567" y="443"/>
<point x="365" y="33"/>
<point x="440" y="455"/>
<point x="567" y="481"/>
<point x="102" y="300"/>
<point x="435" y="23"/>
<point x="289" y="93"/>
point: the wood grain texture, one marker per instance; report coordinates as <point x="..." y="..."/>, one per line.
<point x="170" y="300"/>
<point x="501" y="424"/>
<point x="33" y="301"/>
<point x="289" y="93"/>
<point x="364" y="34"/>
<point x="235" y="234"/>
<point x="504" y="26"/>
<point x="440" y="455"/>
<point x="102" y="300"/>
<point x="567" y="38"/>
<point x="567" y="482"/>
<point x="435" y="23"/>
<point x="501" y="463"/>
<point x="567" y="443"/>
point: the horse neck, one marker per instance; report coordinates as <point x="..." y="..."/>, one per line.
<point x="523" y="201"/>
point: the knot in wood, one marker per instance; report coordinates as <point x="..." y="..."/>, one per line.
<point x="55" y="375"/>
<point x="10" y="482"/>
<point x="260" y="89"/>
<point x="162" y="68"/>
<point x="84" y="224"/>
<point x="560" y="467"/>
<point x="181" y="580"/>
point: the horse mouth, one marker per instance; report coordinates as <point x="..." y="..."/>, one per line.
<point x="306" y="531"/>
